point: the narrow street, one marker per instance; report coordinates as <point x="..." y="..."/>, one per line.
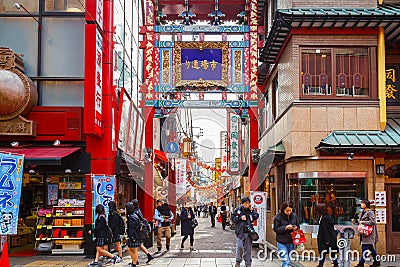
<point x="214" y="247"/>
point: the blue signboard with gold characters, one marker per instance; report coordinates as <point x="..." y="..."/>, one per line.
<point x="201" y="64"/>
<point x="392" y="84"/>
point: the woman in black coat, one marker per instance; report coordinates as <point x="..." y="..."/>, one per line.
<point x="187" y="230"/>
<point x="326" y="236"/>
<point x="113" y="222"/>
<point x="100" y="232"/>
<point x="133" y="225"/>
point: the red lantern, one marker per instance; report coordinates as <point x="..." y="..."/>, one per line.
<point x="208" y="167"/>
<point x="204" y="165"/>
<point x="199" y="163"/>
<point x="192" y="159"/>
<point x="212" y="169"/>
<point x="218" y="169"/>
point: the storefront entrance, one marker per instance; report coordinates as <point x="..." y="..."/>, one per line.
<point x="393" y="220"/>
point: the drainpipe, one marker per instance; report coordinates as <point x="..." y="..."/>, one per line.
<point x="381" y="78"/>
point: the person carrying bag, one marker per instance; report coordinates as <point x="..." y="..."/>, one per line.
<point x="243" y="217"/>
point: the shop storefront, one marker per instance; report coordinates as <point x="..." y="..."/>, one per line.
<point x="342" y="192"/>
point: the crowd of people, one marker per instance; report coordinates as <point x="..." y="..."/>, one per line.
<point x="109" y="230"/>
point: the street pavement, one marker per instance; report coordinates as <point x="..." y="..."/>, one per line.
<point x="214" y="248"/>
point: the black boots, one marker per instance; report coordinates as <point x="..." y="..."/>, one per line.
<point x="376" y="264"/>
<point x="149" y="258"/>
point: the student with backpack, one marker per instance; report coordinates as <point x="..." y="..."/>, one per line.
<point x="117" y="225"/>
<point x="133" y="225"/>
<point x="144" y="230"/>
<point x="102" y="233"/>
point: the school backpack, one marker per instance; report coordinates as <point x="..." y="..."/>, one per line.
<point x="144" y="227"/>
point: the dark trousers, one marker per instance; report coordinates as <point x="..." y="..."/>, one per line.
<point x="212" y="219"/>
<point x="332" y="257"/>
<point x="223" y="216"/>
<point x="191" y="239"/>
<point x="369" y="247"/>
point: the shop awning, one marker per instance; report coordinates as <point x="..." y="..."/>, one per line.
<point x="41" y="155"/>
<point x="387" y="141"/>
<point x="160" y="155"/>
<point x="276" y="152"/>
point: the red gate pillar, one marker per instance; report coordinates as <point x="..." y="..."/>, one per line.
<point x="253" y="172"/>
<point x="253" y="175"/>
<point x="145" y="194"/>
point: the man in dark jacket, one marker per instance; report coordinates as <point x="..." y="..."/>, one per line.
<point x="243" y="217"/>
<point x="213" y="211"/>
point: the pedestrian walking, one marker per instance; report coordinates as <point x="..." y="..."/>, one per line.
<point x="223" y="212"/>
<point x="187" y="216"/>
<point x="163" y="216"/>
<point x="101" y="233"/>
<point x="243" y="217"/>
<point x="367" y="217"/>
<point x="205" y="211"/>
<point x="213" y="211"/>
<point x="139" y="214"/>
<point x="133" y="225"/>
<point x="284" y="223"/>
<point x="327" y="236"/>
<point x="114" y="220"/>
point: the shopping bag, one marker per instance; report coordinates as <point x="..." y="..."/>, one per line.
<point x="298" y="237"/>
<point x="365" y="230"/>
<point x="219" y="218"/>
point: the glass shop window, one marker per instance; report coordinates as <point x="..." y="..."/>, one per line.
<point x="65" y="5"/>
<point x="335" y="72"/>
<point x="342" y="197"/>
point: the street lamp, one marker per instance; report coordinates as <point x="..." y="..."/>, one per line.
<point x="19" y="6"/>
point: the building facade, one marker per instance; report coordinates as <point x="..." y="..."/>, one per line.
<point x="79" y="67"/>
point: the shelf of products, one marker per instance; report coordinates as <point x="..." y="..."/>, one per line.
<point x="44" y="226"/>
<point x="68" y="226"/>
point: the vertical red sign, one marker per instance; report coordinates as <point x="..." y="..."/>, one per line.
<point x="93" y="81"/>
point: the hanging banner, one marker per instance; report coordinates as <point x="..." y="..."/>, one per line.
<point x="104" y="190"/>
<point x="180" y="172"/>
<point x="11" y="169"/>
<point x="234" y="143"/>
<point x="224" y="149"/>
<point x="259" y="203"/>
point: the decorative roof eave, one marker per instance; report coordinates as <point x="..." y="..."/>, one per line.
<point x="387" y="16"/>
<point x="387" y="141"/>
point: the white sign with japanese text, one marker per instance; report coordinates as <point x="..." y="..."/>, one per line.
<point x="259" y="203"/>
<point x="224" y="149"/>
<point x="180" y="172"/>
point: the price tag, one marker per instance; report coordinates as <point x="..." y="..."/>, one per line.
<point x="49" y="226"/>
<point x="39" y="227"/>
<point x="67" y="205"/>
<point x="68" y="225"/>
<point x="48" y="215"/>
<point x="69" y="214"/>
<point x="66" y="236"/>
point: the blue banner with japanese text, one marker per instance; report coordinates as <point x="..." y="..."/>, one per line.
<point x="201" y="64"/>
<point x="11" y="169"/>
<point x="104" y="189"/>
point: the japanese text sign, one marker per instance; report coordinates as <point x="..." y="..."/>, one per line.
<point x="104" y="189"/>
<point x="201" y="63"/>
<point x="11" y="169"/>
<point x="259" y="203"/>
<point x="234" y="143"/>
<point x="392" y="84"/>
